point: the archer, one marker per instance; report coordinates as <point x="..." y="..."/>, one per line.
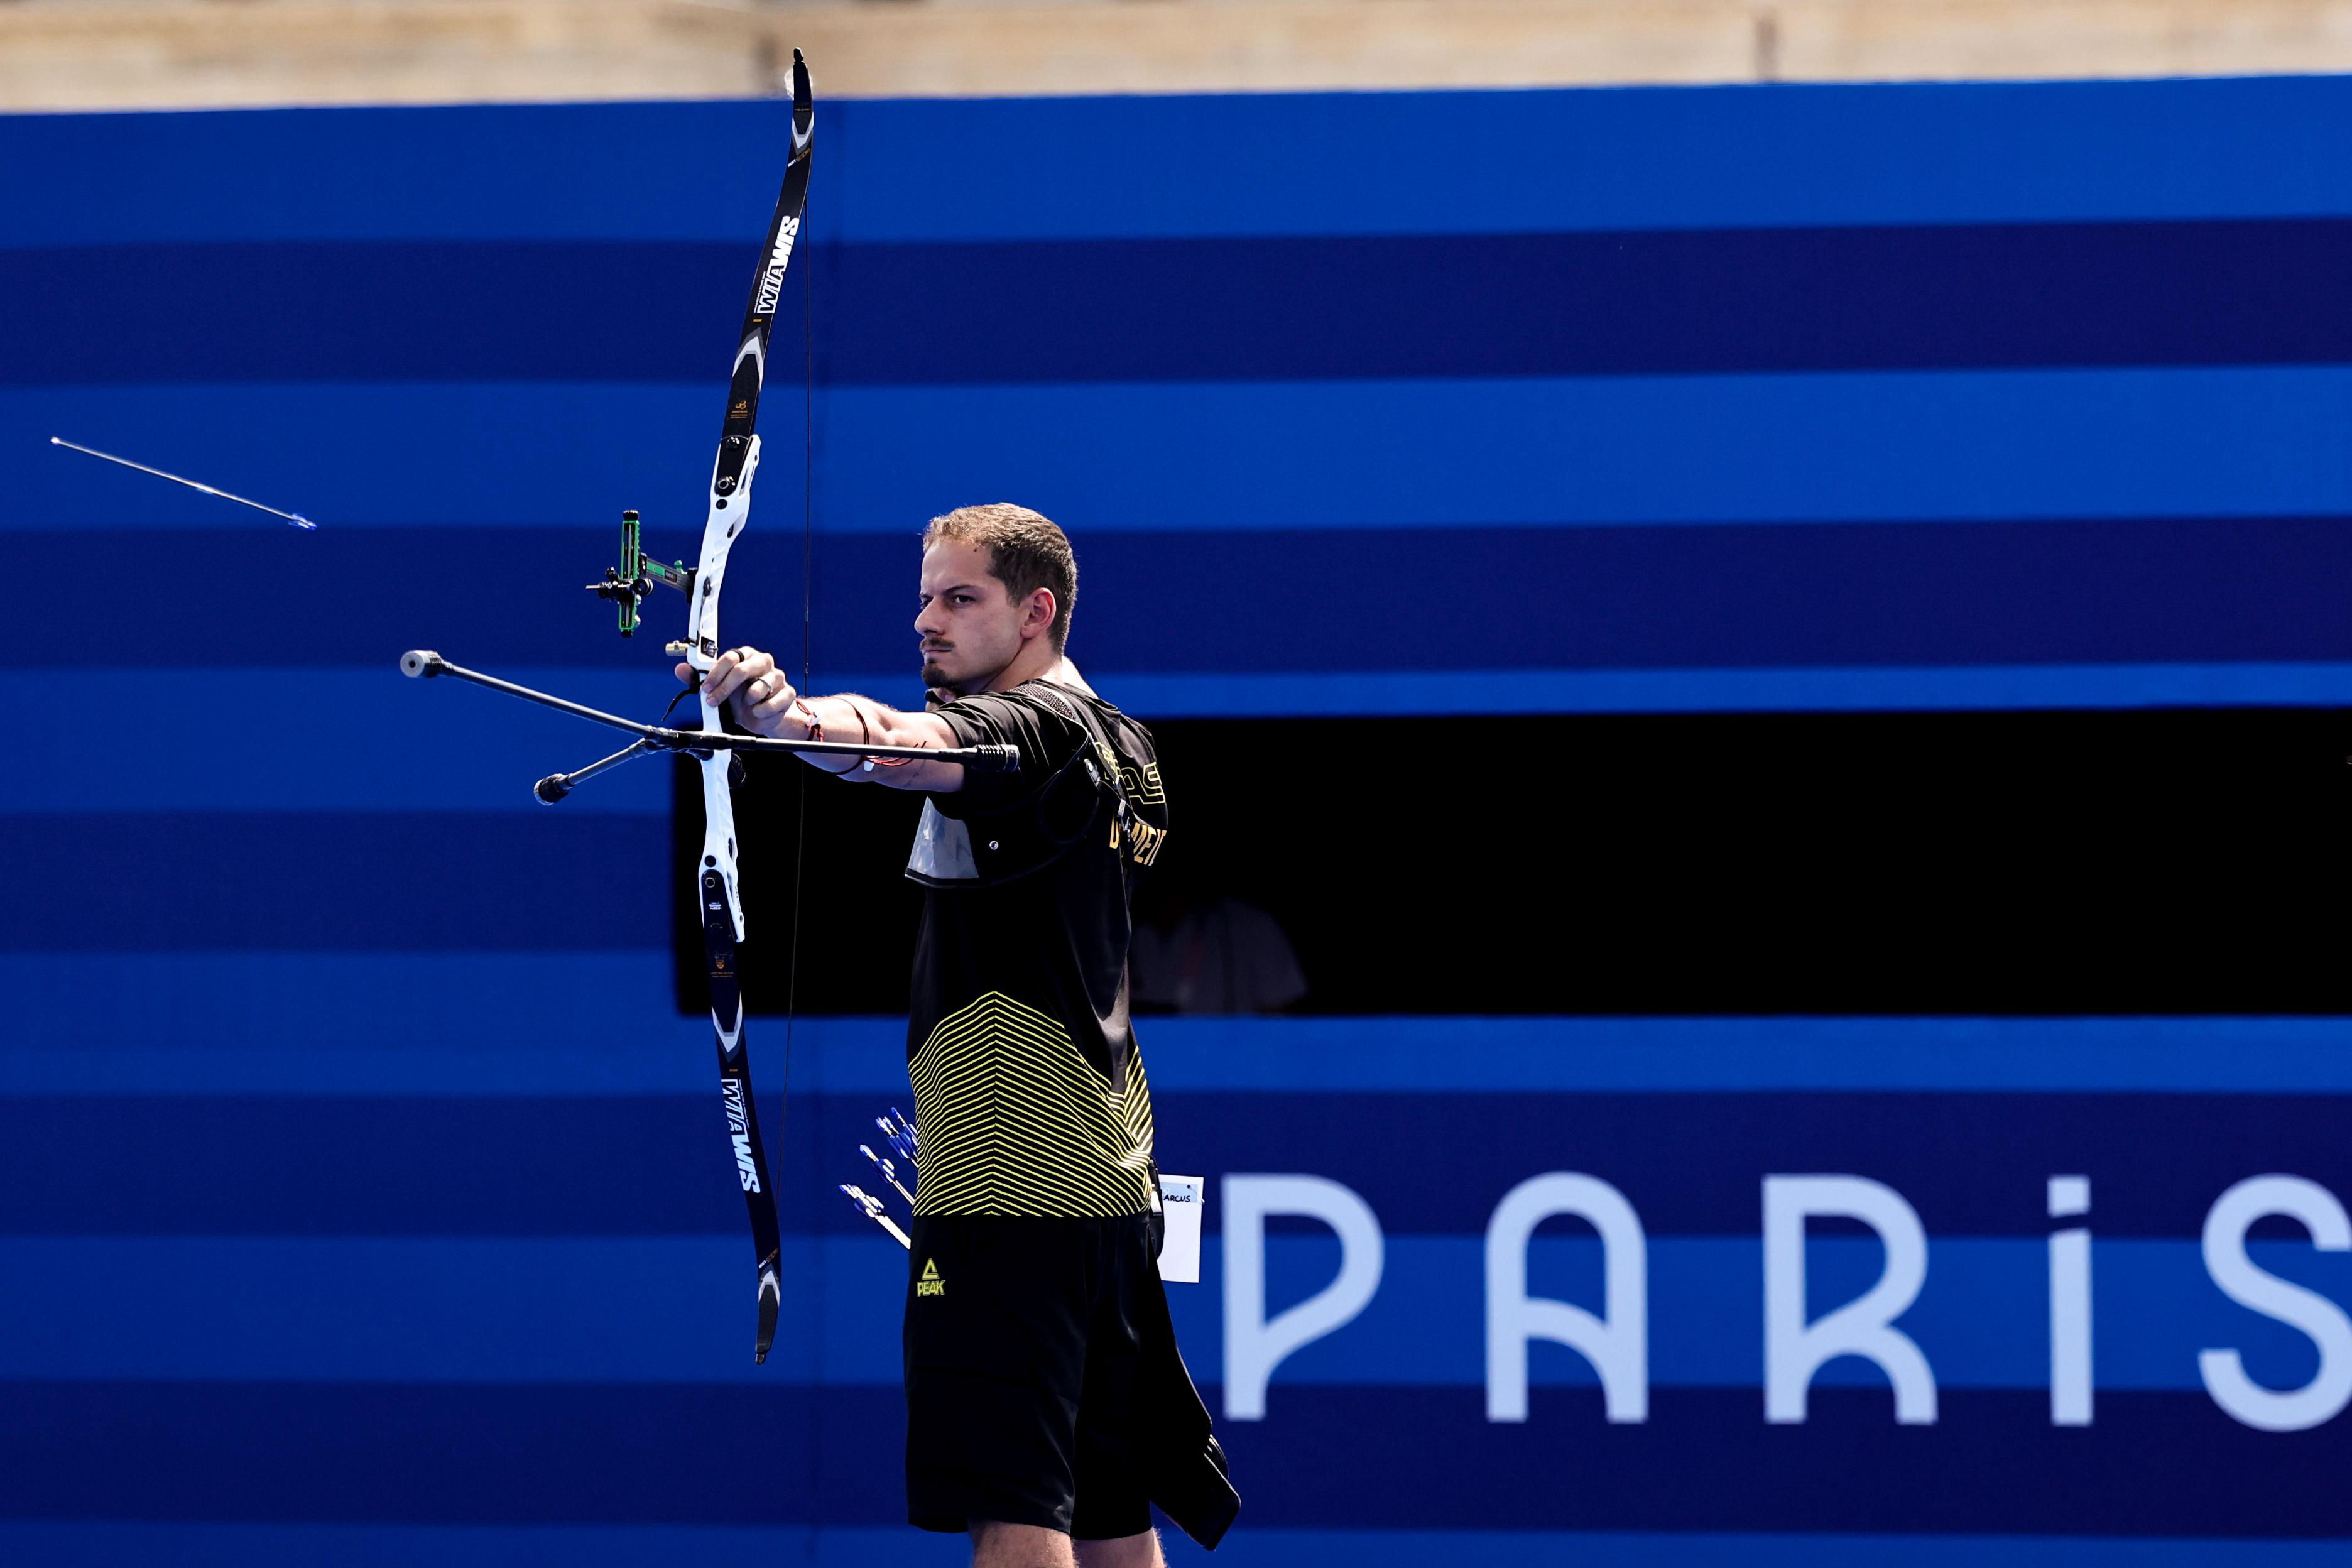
<point x="1047" y="1406"/>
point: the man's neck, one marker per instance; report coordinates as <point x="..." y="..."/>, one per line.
<point x="1035" y="661"/>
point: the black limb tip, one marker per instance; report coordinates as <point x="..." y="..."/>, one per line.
<point x="420" y="662"/>
<point x="552" y="788"/>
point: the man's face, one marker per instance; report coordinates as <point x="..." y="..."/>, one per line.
<point x="969" y="628"/>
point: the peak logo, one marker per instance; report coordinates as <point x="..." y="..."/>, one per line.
<point x="930" y="1284"/>
<point x="738" y="1131"/>
<point x="771" y="278"/>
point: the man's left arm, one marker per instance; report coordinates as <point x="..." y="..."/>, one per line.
<point x="764" y="702"/>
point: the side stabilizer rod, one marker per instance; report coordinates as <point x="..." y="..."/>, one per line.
<point x="556" y="787"/>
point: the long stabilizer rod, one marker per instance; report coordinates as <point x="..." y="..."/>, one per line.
<point x="424" y="664"/>
<point x="296" y="517"/>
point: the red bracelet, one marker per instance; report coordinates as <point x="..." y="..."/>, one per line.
<point x="865" y="734"/>
<point x="816" y="732"/>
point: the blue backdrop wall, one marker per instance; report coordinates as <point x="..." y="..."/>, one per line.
<point x="359" y="1194"/>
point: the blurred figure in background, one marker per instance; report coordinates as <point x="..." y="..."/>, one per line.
<point x="1198" y="950"/>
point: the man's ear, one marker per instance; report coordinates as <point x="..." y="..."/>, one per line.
<point x="1037" y="613"/>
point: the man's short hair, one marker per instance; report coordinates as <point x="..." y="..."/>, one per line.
<point x="1025" y="552"/>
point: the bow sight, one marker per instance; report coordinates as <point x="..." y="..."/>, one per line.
<point x="631" y="583"/>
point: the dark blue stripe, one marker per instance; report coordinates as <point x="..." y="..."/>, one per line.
<point x="2158" y="1464"/>
<point x="389" y="311"/>
<point x="1913" y="595"/>
<point x="1474" y="1548"/>
<point x="1972" y="1164"/>
<point x="1267" y="308"/>
<point x="1920" y="594"/>
<point x="116" y="1544"/>
<point x="431" y="881"/>
<point x="1587" y="304"/>
<point x="1982" y="1321"/>
<point x="656" y="1309"/>
<point x="486" y="597"/>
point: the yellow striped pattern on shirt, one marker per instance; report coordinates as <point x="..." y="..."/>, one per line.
<point x="1015" y="1121"/>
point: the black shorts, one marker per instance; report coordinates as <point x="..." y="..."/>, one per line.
<point x="1023" y="1338"/>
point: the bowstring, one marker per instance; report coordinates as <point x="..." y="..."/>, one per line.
<point x="808" y="601"/>
<point x="800" y="825"/>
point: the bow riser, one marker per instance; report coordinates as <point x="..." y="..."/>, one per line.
<point x="731" y="508"/>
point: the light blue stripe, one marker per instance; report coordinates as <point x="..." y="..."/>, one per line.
<point x="1297" y="694"/>
<point x="388" y="744"/>
<point x="110" y="1545"/>
<point x="1635" y="450"/>
<point x="1340" y="163"/>
<point x="404" y="454"/>
<point x="445" y="1309"/>
<point x="385" y="744"/>
<point x="259" y="1023"/>
<point x="673" y="1310"/>
<point x="275" y="1023"/>
<point x="377" y="741"/>
<point x="548" y="172"/>
<point x="1930" y="445"/>
<point x="1515" y="161"/>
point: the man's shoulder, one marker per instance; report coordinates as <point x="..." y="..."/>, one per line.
<point x="1122" y="729"/>
<point x="1049" y="704"/>
<point x="1023" y="711"/>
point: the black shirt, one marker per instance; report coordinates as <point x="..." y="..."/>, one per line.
<point x="1029" y="1088"/>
